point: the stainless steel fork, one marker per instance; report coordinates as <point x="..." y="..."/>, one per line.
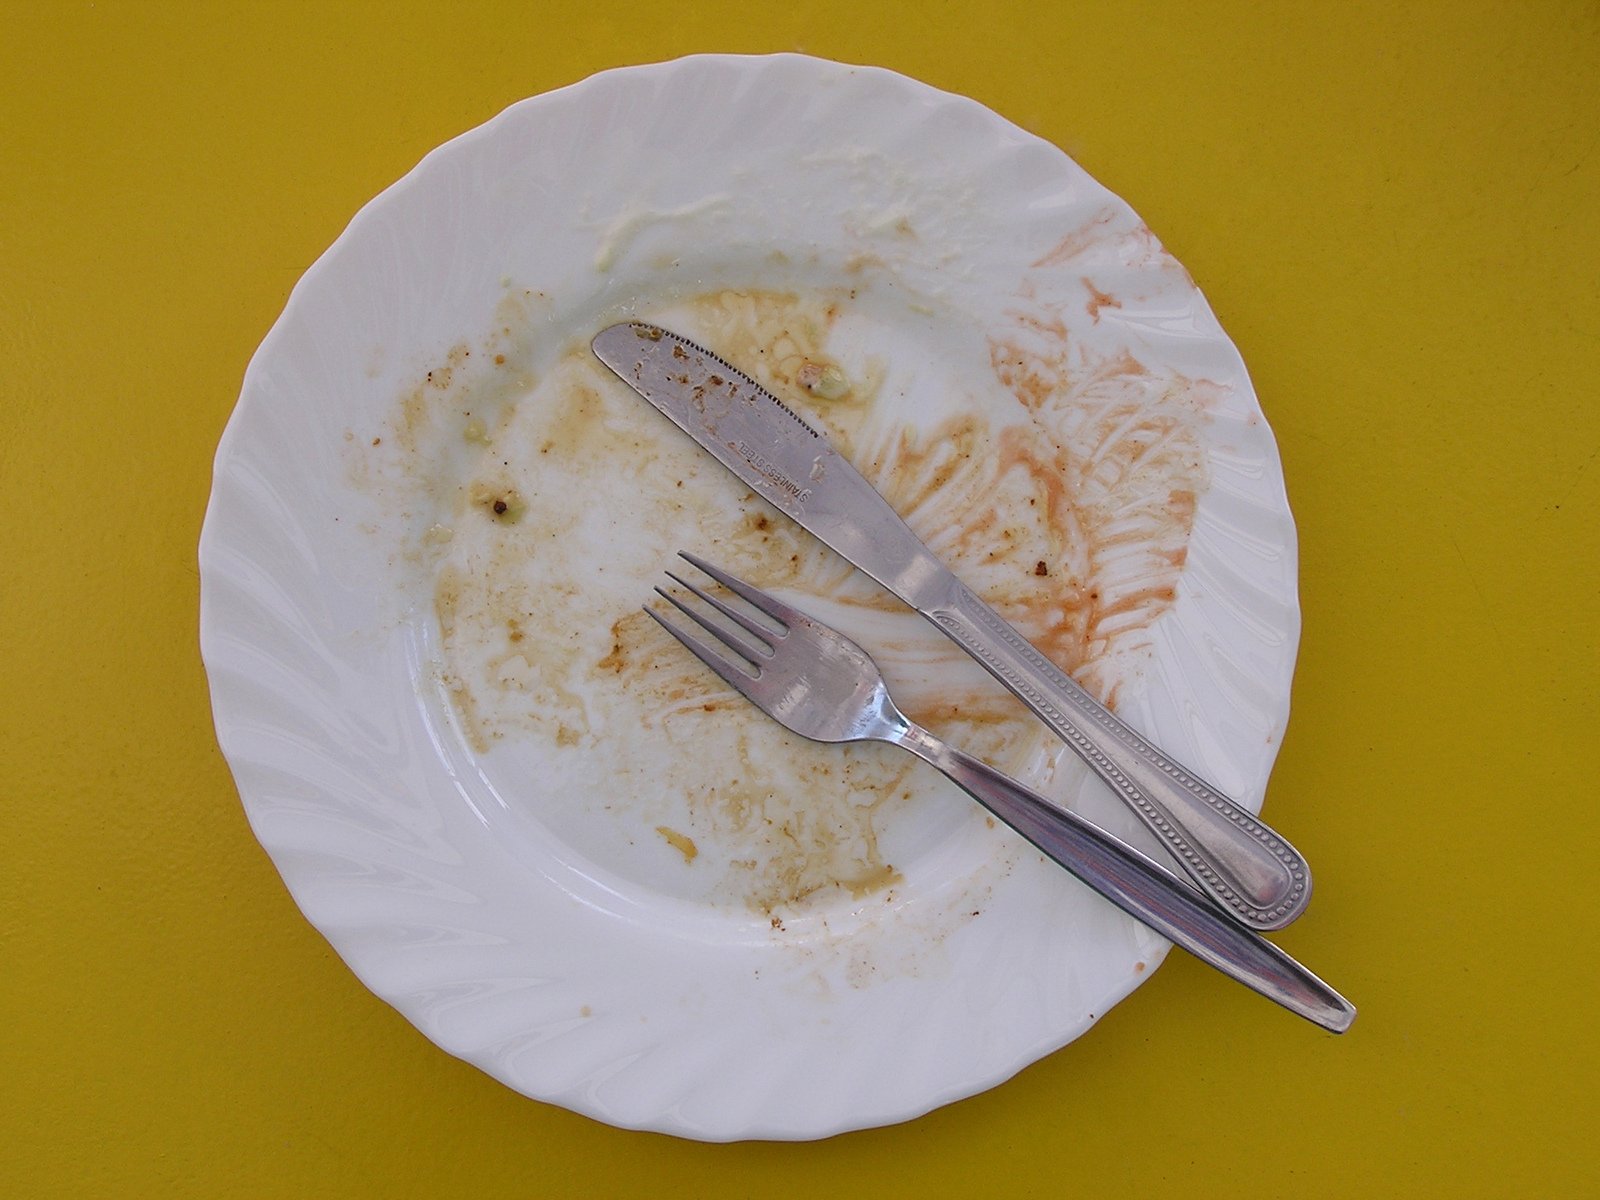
<point x="818" y="683"/>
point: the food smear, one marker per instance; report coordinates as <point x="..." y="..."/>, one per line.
<point x="1062" y="486"/>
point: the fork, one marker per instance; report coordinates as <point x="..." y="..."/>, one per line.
<point x="819" y="684"/>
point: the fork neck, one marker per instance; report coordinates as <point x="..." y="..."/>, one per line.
<point x="926" y="746"/>
<point x="984" y="783"/>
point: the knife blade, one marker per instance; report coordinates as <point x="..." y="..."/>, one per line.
<point x="1246" y="866"/>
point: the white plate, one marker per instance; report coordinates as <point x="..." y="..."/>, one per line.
<point x="527" y="820"/>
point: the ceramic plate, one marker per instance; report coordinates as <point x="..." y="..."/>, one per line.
<point x="531" y="822"/>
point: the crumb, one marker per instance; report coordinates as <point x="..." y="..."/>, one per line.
<point x="682" y="843"/>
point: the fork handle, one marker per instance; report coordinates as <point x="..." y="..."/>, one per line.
<point x="1244" y="864"/>
<point x="1139" y="886"/>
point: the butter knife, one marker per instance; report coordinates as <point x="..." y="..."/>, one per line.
<point x="1237" y="859"/>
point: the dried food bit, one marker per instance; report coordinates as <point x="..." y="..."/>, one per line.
<point x="681" y="842"/>
<point x="1042" y="568"/>
<point x="826" y="381"/>
<point x="648" y="332"/>
<point x="504" y="504"/>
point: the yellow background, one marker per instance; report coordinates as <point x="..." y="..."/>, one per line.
<point x="1394" y="210"/>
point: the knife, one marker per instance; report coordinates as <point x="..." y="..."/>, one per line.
<point x="1237" y="859"/>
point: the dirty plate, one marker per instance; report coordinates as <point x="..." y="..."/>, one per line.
<point x="533" y="824"/>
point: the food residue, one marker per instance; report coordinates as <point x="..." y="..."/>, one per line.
<point x="628" y="224"/>
<point x="680" y="842"/>
<point x="1064" y="494"/>
<point x="826" y="381"/>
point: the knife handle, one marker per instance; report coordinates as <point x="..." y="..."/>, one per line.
<point x="1143" y="889"/>
<point x="1248" y="867"/>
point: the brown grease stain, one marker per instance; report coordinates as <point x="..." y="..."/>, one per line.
<point x="539" y="669"/>
<point x="803" y="851"/>
<point x="447" y="607"/>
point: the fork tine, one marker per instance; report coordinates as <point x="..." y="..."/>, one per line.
<point x="728" y="638"/>
<point x="731" y="675"/>
<point x="761" y="633"/>
<point x="771" y="605"/>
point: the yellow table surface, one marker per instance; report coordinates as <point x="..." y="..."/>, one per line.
<point x="1395" y="211"/>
